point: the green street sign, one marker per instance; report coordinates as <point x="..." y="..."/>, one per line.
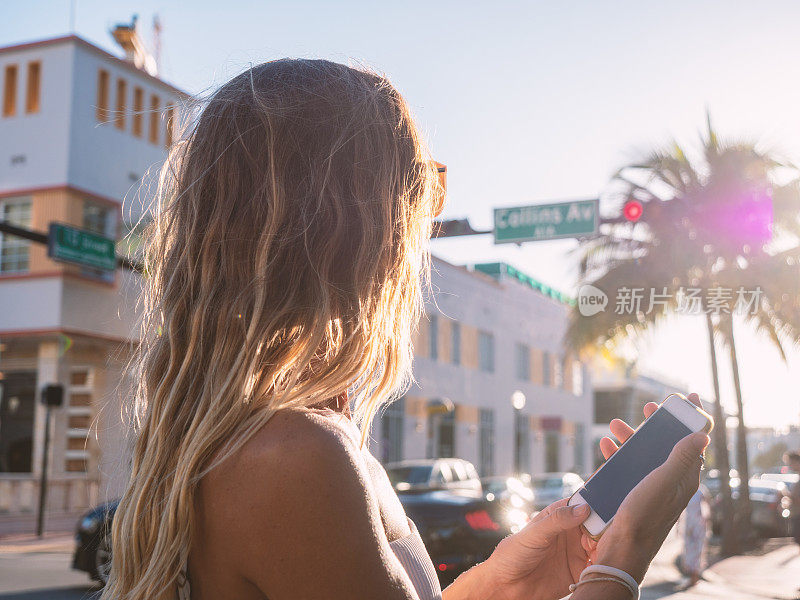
<point x="545" y="221"/>
<point x="81" y="247"/>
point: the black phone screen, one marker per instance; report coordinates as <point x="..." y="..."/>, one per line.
<point x="645" y="450"/>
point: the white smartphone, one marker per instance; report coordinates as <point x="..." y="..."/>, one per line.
<point x="643" y="452"/>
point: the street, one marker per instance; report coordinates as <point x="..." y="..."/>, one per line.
<point x="32" y="570"/>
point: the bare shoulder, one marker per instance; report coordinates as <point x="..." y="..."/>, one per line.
<point x="300" y="430"/>
<point x="299" y="492"/>
<point x="295" y="447"/>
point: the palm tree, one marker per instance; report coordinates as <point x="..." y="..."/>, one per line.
<point x="704" y="230"/>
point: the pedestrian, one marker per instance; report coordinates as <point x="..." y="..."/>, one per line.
<point x="792" y="460"/>
<point x="285" y="269"/>
<point x="694" y="525"/>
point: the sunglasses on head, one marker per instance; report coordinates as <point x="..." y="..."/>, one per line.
<point x="441" y="193"/>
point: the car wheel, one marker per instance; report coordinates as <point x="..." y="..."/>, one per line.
<point x="102" y="559"/>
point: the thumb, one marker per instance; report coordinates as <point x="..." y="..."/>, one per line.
<point x="561" y="519"/>
<point x="687" y="452"/>
<point x="682" y="467"/>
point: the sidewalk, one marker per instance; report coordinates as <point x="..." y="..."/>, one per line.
<point x="27" y="543"/>
<point x="15" y="525"/>
<point x="775" y="576"/>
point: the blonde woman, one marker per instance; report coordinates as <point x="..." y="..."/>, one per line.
<point x="284" y="280"/>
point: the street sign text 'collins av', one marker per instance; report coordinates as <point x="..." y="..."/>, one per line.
<point x="577" y="218"/>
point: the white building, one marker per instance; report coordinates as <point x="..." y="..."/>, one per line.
<point x="488" y="333"/>
<point x="81" y="131"/>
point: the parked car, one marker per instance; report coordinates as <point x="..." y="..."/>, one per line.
<point x="93" y="542"/>
<point x="770" y="507"/>
<point x="787" y="478"/>
<point x="712" y="481"/>
<point x="550" y="487"/>
<point x="770" y="502"/>
<point x="510" y="492"/>
<point x="433" y="474"/>
<point x="460" y="528"/>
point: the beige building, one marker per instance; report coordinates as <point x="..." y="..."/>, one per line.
<point x="81" y="134"/>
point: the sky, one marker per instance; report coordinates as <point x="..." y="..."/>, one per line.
<point x="526" y="102"/>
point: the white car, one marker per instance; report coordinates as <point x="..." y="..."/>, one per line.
<point x="550" y="487"/>
<point x="433" y="474"/>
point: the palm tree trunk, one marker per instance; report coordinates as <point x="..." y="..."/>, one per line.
<point x="729" y="544"/>
<point x="742" y="464"/>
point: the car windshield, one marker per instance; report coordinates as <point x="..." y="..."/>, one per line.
<point x="494" y="485"/>
<point x="547" y="482"/>
<point x="411" y="475"/>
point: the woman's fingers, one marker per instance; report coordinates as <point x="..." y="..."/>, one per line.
<point x="650" y="408"/>
<point x="695" y="399"/>
<point x="548" y="510"/>
<point x="607" y="447"/>
<point x="621" y="430"/>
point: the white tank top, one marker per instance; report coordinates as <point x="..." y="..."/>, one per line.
<point x="409" y="550"/>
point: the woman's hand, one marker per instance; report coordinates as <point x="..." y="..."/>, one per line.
<point x="648" y="513"/>
<point x="539" y="562"/>
<point x="542" y="560"/>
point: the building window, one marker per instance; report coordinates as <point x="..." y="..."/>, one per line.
<point x="523" y="353"/>
<point x="551" y="451"/>
<point x="138" y="110"/>
<point x="10" y="91"/>
<point x="455" y="342"/>
<point x="447" y="435"/>
<point x="486" y="442"/>
<point x="154" y="117"/>
<point x="433" y="338"/>
<point x="15" y="251"/>
<point x="522" y="445"/>
<point x="547" y="369"/>
<point x="99" y="219"/>
<point x="102" y="96"/>
<point x="33" y="87"/>
<point x="486" y="352"/>
<point x="169" y="127"/>
<point x="558" y="372"/>
<point x="17" y="414"/>
<point x="577" y="378"/>
<point x="442" y="435"/>
<point x="78" y="408"/>
<point x="122" y="92"/>
<point x="392" y="425"/>
<point x="580" y="448"/>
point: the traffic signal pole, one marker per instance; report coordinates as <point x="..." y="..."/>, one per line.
<point x="43" y="476"/>
<point x="38" y="237"/>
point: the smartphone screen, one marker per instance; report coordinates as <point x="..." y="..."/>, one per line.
<point x="644" y="451"/>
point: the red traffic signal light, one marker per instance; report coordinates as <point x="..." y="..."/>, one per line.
<point x="632" y="211"/>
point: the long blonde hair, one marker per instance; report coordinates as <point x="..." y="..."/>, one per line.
<point x="285" y="266"/>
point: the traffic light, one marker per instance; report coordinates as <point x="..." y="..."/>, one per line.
<point x="632" y="211"/>
<point x="53" y="395"/>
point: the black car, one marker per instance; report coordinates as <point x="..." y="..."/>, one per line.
<point x="93" y="542"/>
<point x="460" y="528"/>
